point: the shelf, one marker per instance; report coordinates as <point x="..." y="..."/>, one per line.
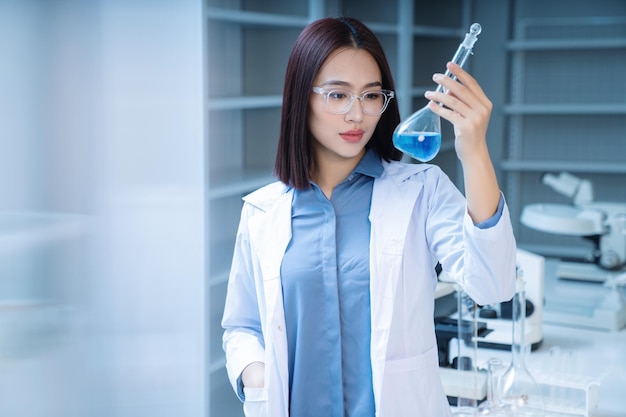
<point x="566" y="44"/>
<point x="439" y="31"/>
<point x="238" y="182"/>
<point x="574" y="109"/>
<point x="569" y="166"/>
<point x="271" y="19"/>
<point x="255" y="18"/>
<point x="25" y="229"/>
<point x="417" y="30"/>
<point x="252" y="102"/>
<point x="383" y="28"/>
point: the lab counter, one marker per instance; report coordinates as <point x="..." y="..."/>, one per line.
<point x="596" y="356"/>
<point x="577" y="349"/>
<point x="589" y="336"/>
<point x="593" y="354"/>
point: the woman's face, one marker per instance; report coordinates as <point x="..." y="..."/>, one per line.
<point x="344" y="136"/>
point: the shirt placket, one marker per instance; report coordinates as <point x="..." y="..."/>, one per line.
<point x="331" y="290"/>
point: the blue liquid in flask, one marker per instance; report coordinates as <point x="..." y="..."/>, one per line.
<point x="422" y="146"/>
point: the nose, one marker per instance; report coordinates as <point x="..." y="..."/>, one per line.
<point x="355" y="114"/>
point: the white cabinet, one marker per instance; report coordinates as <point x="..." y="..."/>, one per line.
<point x="247" y="48"/>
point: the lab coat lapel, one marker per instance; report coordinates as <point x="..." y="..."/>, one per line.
<point x="272" y="230"/>
<point x="393" y="201"/>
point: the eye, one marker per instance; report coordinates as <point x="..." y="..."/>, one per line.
<point x="337" y="95"/>
<point x="373" y="95"/>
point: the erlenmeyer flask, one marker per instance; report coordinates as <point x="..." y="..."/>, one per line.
<point x="419" y="136"/>
<point x="493" y="407"/>
<point x="520" y="393"/>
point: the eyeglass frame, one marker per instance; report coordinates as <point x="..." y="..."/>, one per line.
<point x="388" y="94"/>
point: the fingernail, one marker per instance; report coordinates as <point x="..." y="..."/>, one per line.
<point x="428" y="94"/>
<point x="437" y="77"/>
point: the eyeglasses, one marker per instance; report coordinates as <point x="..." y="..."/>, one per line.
<point x="340" y="101"/>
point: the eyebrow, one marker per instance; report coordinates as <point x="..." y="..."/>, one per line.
<point x="347" y="84"/>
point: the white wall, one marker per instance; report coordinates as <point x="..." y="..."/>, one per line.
<point x="102" y="234"/>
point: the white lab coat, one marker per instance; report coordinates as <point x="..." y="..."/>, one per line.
<point x="418" y="217"/>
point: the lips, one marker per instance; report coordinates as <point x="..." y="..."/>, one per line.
<point x="352" y="136"/>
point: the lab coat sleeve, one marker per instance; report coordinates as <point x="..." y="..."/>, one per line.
<point x="481" y="260"/>
<point x="489" y="268"/>
<point x="243" y="335"/>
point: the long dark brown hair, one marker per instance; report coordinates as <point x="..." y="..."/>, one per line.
<point x="312" y="47"/>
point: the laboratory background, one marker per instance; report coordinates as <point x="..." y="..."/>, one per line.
<point x="130" y="130"/>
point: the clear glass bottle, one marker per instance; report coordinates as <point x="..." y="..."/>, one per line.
<point x="520" y="393"/>
<point x="492" y="406"/>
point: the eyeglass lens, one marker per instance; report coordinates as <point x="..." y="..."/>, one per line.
<point x="340" y="101"/>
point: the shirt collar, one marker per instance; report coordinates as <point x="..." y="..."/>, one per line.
<point x="370" y="165"/>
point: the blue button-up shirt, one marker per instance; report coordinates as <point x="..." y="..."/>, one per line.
<point x="325" y="278"/>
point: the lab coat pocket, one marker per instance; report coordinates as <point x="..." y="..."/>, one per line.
<point x="405" y="365"/>
<point x="412" y="384"/>
<point x="255" y="404"/>
<point x="393" y="246"/>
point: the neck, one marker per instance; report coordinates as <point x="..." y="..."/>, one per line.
<point x="328" y="172"/>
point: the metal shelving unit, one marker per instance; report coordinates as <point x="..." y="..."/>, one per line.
<point x="566" y="113"/>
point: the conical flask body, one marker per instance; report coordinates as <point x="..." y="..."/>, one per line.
<point x="521" y="394"/>
<point x="519" y="391"/>
<point x="420" y="135"/>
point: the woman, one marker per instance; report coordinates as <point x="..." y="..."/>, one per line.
<point x="329" y="310"/>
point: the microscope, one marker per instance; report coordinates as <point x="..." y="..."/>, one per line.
<point x="603" y="223"/>
<point x="575" y="298"/>
<point x="494" y="324"/>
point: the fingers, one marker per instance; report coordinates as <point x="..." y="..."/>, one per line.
<point x="464" y="95"/>
<point x="454" y="105"/>
<point x="464" y="78"/>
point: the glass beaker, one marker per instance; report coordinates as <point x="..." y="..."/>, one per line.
<point x="419" y="136"/>
<point x="520" y="393"/>
<point x="492" y="406"/>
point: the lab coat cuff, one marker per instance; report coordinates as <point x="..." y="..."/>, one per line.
<point x="240" y="393"/>
<point x="242" y="348"/>
<point x="493" y="220"/>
